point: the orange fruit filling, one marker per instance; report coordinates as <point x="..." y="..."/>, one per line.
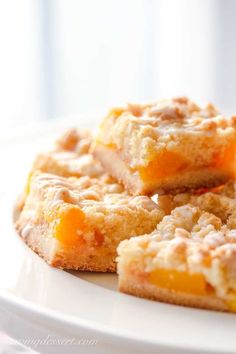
<point x="177" y="281"/>
<point x="111" y="146"/>
<point x="99" y="238"/>
<point x="117" y="111"/>
<point x="70" y="226"/>
<point x="226" y="160"/>
<point x="165" y="164"/>
<point x="231" y="305"/>
<point x="169" y="163"/>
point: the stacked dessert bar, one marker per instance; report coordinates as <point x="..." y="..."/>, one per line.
<point x="156" y="184"/>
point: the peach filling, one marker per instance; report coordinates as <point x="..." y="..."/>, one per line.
<point x="231" y="305"/>
<point x="165" y="164"/>
<point x="177" y="281"/>
<point x="70" y="227"/>
<point x="226" y="160"/>
<point x="169" y="163"/>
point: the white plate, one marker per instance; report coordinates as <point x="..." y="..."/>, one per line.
<point x="37" y="300"/>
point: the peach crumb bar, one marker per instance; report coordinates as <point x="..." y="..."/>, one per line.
<point x="167" y="147"/>
<point x="190" y="259"/>
<point x="77" y="223"/>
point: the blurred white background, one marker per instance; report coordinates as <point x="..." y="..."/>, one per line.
<point x="61" y="57"/>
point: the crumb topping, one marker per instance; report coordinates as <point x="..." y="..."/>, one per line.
<point x="139" y="132"/>
<point x="87" y="192"/>
<point x="75" y="140"/>
<point x="192" y="240"/>
<point x="175" y="113"/>
<point x="68" y="163"/>
<point x="219" y="201"/>
<point x="71" y="157"/>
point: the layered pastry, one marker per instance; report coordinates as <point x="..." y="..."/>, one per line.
<point x="190" y="259"/>
<point x="167" y="147"/>
<point x="77" y="223"/>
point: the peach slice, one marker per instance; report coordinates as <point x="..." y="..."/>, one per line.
<point x="70" y="226"/>
<point x="226" y="160"/>
<point x="165" y="164"/>
<point x="231" y="305"/>
<point x="177" y="281"/>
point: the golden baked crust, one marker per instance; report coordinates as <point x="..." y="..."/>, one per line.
<point x="191" y="254"/>
<point x="77" y="223"/>
<point x="156" y="144"/>
<point x="133" y="284"/>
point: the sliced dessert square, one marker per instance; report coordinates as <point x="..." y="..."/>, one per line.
<point x="167" y="147"/>
<point x="190" y="259"/>
<point x="77" y="223"/>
